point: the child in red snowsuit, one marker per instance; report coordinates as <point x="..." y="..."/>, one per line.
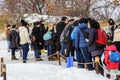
<point x="111" y="66"/>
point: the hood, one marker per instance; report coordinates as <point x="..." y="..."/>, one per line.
<point x="83" y="25"/>
<point x="111" y="48"/>
<point x="21" y="28"/>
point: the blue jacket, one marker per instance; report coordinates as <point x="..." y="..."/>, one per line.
<point x="73" y="32"/>
<point x="79" y="36"/>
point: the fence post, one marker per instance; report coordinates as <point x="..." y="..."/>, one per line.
<point x="58" y="56"/>
<point x="59" y="59"/>
<point x="86" y="66"/>
<point x="4" y="72"/>
<point x="96" y="67"/>
<point x="97" y="59"/>
<point x="1" y="63"/>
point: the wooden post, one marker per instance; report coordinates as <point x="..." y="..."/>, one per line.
<point x="59" y="59"/>
<point x="97" y="60"/>
<point x="58" y="56"/>
<point x="4" y="72"/>
<point x="86" y="66"/>
<point x="97" y="67"/>
<point x="1" y="63"/>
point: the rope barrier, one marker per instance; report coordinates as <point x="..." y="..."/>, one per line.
<point x="87" y="63"/>
<point x="45" y="56"/>
<point x="62" y="56"/>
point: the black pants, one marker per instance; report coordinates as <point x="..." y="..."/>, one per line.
<point x="13" y="52"/>
<point x="69" y="49"/>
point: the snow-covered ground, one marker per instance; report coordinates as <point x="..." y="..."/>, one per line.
<point x="43" y="70"/>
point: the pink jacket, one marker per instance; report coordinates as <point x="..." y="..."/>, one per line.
<point x="109" y="64"/>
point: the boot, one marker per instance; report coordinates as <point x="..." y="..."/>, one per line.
<point x="14" y="58"/>
<point x="101" y="72"/>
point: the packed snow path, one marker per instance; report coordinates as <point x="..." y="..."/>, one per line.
<point x="42" y="70"/>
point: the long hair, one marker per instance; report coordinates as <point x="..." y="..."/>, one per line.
<point x="94" y="24"/>
<point x="25" y="24"/>
<point x="111" y="21"/>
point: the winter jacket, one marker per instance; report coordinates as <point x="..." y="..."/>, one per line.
<point x="91" y="43"/>
<point x="14" y="39"/>
<point x="24" y="35"/>
<point x="59" y="28"/>
<point x="73" y="32"/>
<point x="109" y="64"/>
<point x="79" y="36"/>
<point x="66" y="34"/>
<point x="39" y="42"/>
<point x="116" y="35"/>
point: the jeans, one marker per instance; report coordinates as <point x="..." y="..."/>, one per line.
<point x="25" y="48"/>
<point x="79" y="56"/>
<point x="37" y="53"/>
<point x="87" y="56"/>
<point x="49" y="49"/>
<point x="62" y="51"/>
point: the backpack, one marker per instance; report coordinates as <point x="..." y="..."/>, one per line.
<point x="67" y="36"/>
<point x="47" y="36"/>
<point x="101" y="38"/>
<point x="114" y="56"/>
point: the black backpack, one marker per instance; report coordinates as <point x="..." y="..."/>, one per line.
<point x="67" y="36"/>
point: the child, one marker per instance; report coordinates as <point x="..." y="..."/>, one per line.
<point x="49" y="41"/>
<point x="112" y="67"/>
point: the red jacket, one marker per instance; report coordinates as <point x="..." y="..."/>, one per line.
<point x="109" y="64"/>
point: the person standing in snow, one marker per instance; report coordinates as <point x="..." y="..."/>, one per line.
<point x="92" y="48"/>
<point x="24" y="39"/>
<point x="111" y="27"/>
<point x="14" y="41"/>
<point x="59" y="28"/>
<point x="49" y="42"/>
<point x="81" y="43"/>
<point x="65" y="36"/>
<point x="43" y="30"/>
<point x="38" y="40"/>
<point x="7" y="34"/>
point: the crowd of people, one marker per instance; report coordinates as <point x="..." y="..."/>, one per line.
<point x="67" y="38"/>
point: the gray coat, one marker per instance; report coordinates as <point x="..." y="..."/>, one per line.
<point x="14" y="39"/>
<point x="92" y="48"/>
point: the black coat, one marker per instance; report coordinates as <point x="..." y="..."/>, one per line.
<point x="39" y="42"/>
<point x="14" y="40"/>
<point x="59" y="28"/>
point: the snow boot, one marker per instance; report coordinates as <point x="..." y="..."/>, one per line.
<point x="14" y="58"/>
